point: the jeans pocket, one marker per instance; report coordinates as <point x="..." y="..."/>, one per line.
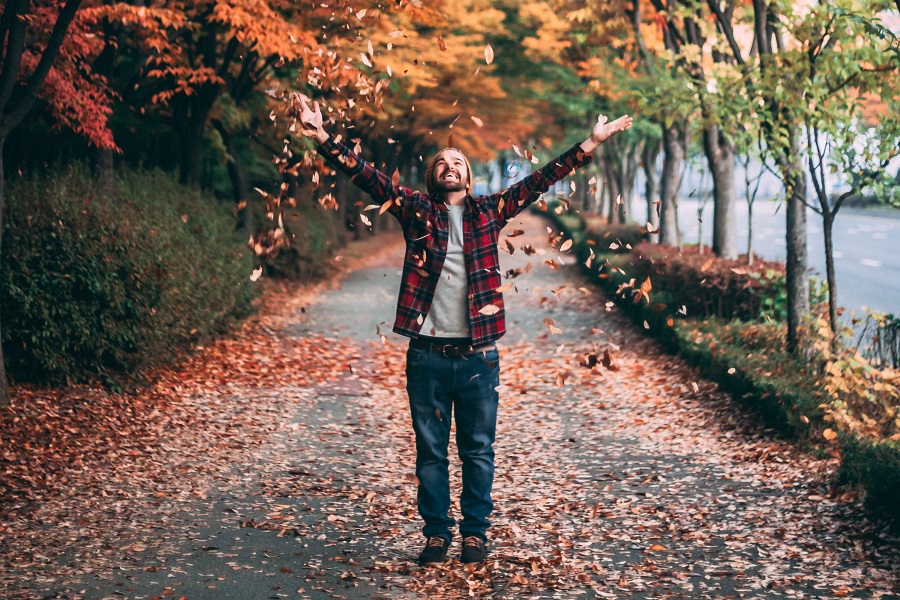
<point x="491" y="358"/>
<point x="415" y="355"/>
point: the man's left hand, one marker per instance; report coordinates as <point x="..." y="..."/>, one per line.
<point x="605" y="129"/>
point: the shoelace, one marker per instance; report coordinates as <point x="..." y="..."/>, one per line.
<point x="435" y="541"/>
<point x="472" y="540"/>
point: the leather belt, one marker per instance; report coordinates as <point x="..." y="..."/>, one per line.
<point x="450" y="350"/>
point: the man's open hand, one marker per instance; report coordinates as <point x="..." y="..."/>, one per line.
<point x="605" y="129"/>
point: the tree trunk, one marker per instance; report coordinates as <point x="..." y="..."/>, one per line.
<point x="613" y="192"/>
<point x="795" y="184"/>
<point x="192" y="149"/>
<point x="797" y="279"/>
<point x="749" y="233"/>
<point x="720" y="154"/>
<point x="191" y="115"/>
<point x="749" y="198"/>
<point x="238" y="186"/>
<point x="670" y="181"/>
<point x="4" y="384"/>
<point x="828" y="226"/>
<point x="581" y="191"/>
<point x="104" y="169"/>
<point x="651" y="188"/>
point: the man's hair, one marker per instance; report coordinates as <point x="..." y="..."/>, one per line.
<point x="429" y="172"/>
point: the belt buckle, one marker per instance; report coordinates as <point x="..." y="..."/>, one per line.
<point x="444" y="350"/>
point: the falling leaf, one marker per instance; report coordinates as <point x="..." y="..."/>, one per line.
<point x="645" y="289"/>
<point x="695" y="386"/>
<point x="395" y="178"/>
<point x="561" y="379"/>
<point x="361" y="14"/>
<point x="708" y="263"/>
<point x="365" y="59"/>
<point x="442" y="44"/>
<point x="651" y="228"/>
<point x="488" y="54"/>
<point x="829" y="434"/>
<point x="387" y="205"/>
<point x="489" y="309"/>
<point x="365" y="220"/>
<point x="515" y="233"/>
<point x="257" y="273"/>
<point x="478" y="122"/>
<point x="565" y="245"/>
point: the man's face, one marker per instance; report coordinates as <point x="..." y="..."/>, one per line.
<point x="450" y="172"/>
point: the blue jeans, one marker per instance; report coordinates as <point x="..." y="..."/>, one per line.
<point x="435" y="384"/>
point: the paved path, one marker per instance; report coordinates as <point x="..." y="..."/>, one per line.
<point x="639" y="480"/>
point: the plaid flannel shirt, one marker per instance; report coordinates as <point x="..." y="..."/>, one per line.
<point x="425" y="225"/>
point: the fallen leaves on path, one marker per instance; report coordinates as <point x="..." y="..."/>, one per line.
<point x="631" y="476"/>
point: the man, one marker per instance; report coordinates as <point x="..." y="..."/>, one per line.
<point x="450" y="308"/>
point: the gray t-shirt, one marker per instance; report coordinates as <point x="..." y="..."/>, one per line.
<point x="449" y="315"/>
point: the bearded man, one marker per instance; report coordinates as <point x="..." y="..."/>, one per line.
<point x="450" y="308"/>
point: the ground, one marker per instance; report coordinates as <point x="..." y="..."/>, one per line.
<point x="279" y="462"/>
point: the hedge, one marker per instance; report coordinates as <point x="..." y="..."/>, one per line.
<point x="98" y="286"/>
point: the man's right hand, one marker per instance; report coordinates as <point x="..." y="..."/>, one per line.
<point x="311" y="121"/>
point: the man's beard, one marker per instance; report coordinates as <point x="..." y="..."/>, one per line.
<point x="450" y="186"/>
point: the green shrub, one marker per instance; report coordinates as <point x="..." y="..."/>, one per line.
<point x="710" y="286"/>
<point x="314" y="235"/>
<point x="96" y="285"/>
<point x="750" y="361"/>
<point x="875" y="466"/>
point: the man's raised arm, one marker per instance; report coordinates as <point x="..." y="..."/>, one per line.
<point x="363" y="174"/>
<point x="510" y="202"/>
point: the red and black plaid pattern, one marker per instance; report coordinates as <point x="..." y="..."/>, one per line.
<point x="426" y="228"/>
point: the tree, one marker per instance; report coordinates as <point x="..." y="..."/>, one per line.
<point x="782" y="133"/>
<point x="30" y="43"/>
<point x="845" y="59"/>
<point x="666" y="98"/>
